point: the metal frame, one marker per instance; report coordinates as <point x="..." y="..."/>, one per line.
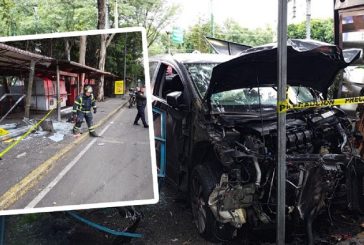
<point x="163" y="141"/>
<point x="282" y="84"/>
<point x="12" y="108"/>
<point x="2" y="230"/>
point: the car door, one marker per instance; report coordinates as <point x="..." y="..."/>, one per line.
<point x="168" y="79"/>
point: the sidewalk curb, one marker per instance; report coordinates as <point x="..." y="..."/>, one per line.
<point x="14" y="193"/>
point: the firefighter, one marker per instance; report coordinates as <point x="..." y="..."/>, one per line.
<point x="82" y="109"/>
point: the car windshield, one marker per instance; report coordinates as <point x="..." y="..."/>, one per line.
<point x="244" y="99"/>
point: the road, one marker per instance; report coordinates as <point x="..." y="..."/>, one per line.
<point x="115" y="167"/>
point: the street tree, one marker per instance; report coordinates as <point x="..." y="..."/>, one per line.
<point x="104" y="43"/>
<point x="322" y="30"/>
<point x="154" y="15"/>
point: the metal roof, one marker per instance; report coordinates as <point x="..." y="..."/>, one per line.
<point x="15" y="61"/>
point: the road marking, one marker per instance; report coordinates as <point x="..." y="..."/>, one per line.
<point x="69" y="166"/>
<point x="113" y="141"/>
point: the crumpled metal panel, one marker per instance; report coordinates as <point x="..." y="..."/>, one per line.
<point x="309" y="63"/>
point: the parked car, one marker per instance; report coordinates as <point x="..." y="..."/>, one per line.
<point x="221" y="123"/>
<point x="352" y="86"/>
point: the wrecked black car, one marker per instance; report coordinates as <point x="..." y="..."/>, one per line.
<point x="221" y="137"/>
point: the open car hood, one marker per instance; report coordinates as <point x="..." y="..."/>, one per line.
<point x="309" y="63"/>
<point x="225" y="47"/>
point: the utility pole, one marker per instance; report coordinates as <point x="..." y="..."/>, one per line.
<point x="116" y="15"/>
<point x="107" y="24"/>
<point x="125" y="50"/>
<point x="294" y="9"/>
<point x="58" y="95"/>
<point x="308" y="19"/>
<point x="169" y="41"/>
<point x="36" y="17"/>
<point x="281" y="117"/>
<point x="212" y="19"/>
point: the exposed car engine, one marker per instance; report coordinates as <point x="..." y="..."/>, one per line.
<point x="319" y="160"/>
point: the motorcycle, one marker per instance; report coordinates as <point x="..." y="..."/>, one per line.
<point x="132" y="97"/>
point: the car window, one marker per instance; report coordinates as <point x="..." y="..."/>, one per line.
<point x="172" y="83"/>
<point x="200" y="74"/>
<point x="255" y="98"/>
<point x="153" y="65"/>
<point x="167" y="81"/>
<point x="299" y="94"/>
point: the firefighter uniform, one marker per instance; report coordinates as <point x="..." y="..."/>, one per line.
<point x="82" y="110"/>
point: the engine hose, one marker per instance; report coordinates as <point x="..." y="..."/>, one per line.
<point x="344" y="136"/>
<point x="309" y="233"/>
<point x="257" y="169"/>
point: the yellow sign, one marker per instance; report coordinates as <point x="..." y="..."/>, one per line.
<point x="284" y="106"/>
<point x="119" y="87"/>
<point x="3" y="132"/>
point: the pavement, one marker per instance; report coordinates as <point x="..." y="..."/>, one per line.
<point x="35" y="162"/>
<point x="168" y="222"/>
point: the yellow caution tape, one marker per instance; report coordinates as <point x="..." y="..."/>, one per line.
<point x="284" y="106"/>
<point x="3" y="132"/>
<point x="27" y="133"/>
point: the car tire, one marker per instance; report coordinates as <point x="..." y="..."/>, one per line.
<point x="202" y="182"/>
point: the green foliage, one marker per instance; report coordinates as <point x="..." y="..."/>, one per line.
<point x="116" y="51"/>
<point x="322" y="30"/>
<point x="230" y="31"/>
<point x="195" y="37"/>
<point x="44" y="16"/>
<point x="20" y="17"/>
<point x="154" y="15"/>
<point x="233" y="32"/>
<point x="29" y="218"/>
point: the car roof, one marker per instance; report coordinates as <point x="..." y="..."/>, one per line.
<point x="194" y="58"/>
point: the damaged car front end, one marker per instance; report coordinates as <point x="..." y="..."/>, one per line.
<point x="240" y="119"/>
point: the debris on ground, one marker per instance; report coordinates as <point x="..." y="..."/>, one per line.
<point x="15" y="133"/>
<point x="13" y="130"/>
<point x="47" y="125"/>
<point x="8" y="126"/>
<point x="57" y="137"/>
<point x="63" y="127"/>
<point x="21" y="155"/>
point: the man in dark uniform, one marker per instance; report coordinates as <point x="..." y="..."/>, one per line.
<point x="82" y="109"/>
<point x="141" y="102"/>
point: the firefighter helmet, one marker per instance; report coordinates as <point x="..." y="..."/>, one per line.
<point x="88" y="89"/>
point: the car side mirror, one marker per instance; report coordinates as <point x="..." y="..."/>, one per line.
<point x="175" y="99"/>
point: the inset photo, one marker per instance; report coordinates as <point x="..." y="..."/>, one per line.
<point x="74" y="113"/>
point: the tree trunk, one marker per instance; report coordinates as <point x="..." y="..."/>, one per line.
<point x="67" y="49"/>
<point x="105" y="42"/>
<point x="82" y="60"/>
<point x="101" y="5"/>
<point x="100" y="96"/>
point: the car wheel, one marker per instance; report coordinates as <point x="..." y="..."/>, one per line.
<point x="202" y="183"/>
